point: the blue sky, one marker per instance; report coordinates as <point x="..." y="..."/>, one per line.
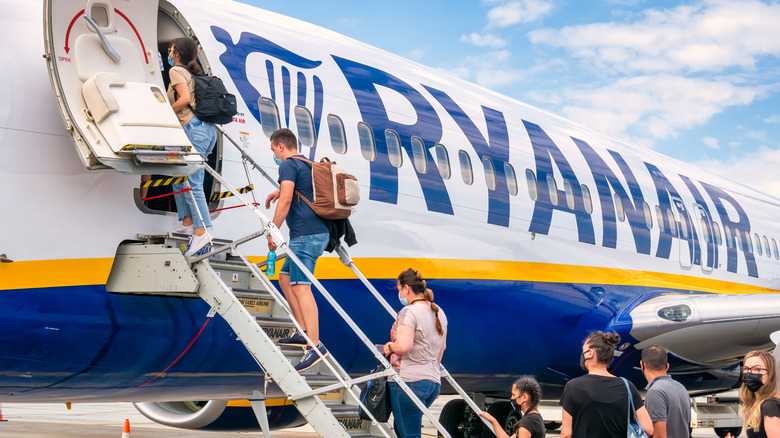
<point x="698" y="80"/>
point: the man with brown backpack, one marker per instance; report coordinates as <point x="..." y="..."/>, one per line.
<point x="308" y="239"/>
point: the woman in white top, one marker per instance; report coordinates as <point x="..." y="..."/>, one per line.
<point x="418" y="339"/>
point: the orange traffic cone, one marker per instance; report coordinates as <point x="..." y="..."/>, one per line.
<point x="126" y="431"/>
<point x="1" y="412"/>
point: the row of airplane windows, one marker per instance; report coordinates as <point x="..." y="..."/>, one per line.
<point x="306" y="135"/>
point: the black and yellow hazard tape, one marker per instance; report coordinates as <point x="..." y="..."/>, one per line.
<point x="163" y="182"/>
<point x="221" y="195"/>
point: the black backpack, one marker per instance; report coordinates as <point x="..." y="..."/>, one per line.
<point x="213" y="102"/>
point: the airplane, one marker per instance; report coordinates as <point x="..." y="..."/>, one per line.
<point x="532" y="230"/>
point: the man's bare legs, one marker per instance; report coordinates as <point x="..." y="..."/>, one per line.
<point x="303" y="307"/>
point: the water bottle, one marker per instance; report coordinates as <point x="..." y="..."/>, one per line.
<point x="270" y="267"/>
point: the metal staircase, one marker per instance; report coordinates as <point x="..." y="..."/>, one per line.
<point x="257" y="312"/>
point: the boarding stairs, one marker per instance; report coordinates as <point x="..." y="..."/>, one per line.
<point x="236" y="288"/>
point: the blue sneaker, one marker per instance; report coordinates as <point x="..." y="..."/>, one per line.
<point x="310" y="358"/>
<point x="296" y="339"/>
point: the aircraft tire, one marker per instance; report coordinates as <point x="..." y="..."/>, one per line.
<point x="723" y="431"/>
<point x="503" y="412"/>
<point x="452" y="414"/>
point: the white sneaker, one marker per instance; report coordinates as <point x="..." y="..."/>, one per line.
<point x="197" y="243"/>
<point x="181" y="229"/>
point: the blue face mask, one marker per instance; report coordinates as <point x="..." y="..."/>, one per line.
<point x="403" y="301"/>
<point x="278" y="161"/>
<point x="170" y="61"/>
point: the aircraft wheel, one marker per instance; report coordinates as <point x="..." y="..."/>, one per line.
<point x="723" y="431"/>
<point x="552" y="425"/>
<point x="502" y="412"/>
<point x="451" y="417"/>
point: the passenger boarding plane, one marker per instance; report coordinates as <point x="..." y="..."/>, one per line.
<point x="516" y="217"/>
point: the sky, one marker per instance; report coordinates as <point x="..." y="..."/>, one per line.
<point x="695" y="80"/>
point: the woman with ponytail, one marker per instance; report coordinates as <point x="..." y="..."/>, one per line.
<point x="194" y="215"/>
<point x="760" y="401"/>
<point x="526" y="394"/>
<point x="418" y="339"/>
<point x="595" y="405"/>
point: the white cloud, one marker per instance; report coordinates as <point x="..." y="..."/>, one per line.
<point x="659" y="106"/>
<point x="349" y="22"/>
<point x="757" y="169"/>
<point x="490" y="69"/>
<point x="710" y="36"/>
<point x="711" y="142"/>
<point x="774" y="118"/>
<point x="488" y="40"/>
<point x="518" y="12"/>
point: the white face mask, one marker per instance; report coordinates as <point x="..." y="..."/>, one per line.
<point x="403" y="301"/>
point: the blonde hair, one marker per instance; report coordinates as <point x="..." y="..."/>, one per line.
<point x="751" y="401"/>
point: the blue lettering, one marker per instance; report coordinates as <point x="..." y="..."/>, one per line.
<point x="665" y="191"/>
<point x="634" y="209"/>
<point x="363" y="80"/>
<point x="706" y="221"/>
<point x="544" y="149"/>
<point x="496" y="148"/>
<point x="741" y="227"/>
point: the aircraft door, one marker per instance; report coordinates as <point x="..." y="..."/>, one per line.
<point x="687" y="240"/>
<point x="105" y="71"/>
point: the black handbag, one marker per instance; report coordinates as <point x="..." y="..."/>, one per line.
<point x="375" y="396"/>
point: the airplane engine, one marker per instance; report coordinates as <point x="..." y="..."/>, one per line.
<point x="220" y="415"/>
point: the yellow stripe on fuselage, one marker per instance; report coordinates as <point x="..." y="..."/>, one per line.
<point x="81" y="272"/>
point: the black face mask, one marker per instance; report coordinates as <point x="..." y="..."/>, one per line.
<point x="752" y="381"/>
<point x="516" y="406"/>
<point x="582" y="362"/>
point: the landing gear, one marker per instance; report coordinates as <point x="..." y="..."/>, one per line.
<point x="461" y="422"/>
<point x="507" y="417"/>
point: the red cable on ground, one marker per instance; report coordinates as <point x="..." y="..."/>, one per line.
<point x="167" y="194"/>
<point x="230" y="208"/>
<point x="177" y="359"/>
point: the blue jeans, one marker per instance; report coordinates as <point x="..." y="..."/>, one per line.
<point x="407" y="417"/>
<point x="203" y="136"/>
<point x="308" y="248"/>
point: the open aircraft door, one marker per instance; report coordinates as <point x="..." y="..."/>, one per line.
<point x="103" y="62"/>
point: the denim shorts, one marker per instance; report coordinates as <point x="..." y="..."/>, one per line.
<point x="308" y="249"/>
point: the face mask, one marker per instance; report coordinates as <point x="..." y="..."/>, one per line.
<point x="582" y="362"/>
<point x="516" y="406"/>
<point x="752" y="381"/>
<point x="403" y="301"/>
<point x="170" y="61"/>
<point x="278" y="161"/>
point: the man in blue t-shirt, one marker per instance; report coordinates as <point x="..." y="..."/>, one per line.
<point x="308" y="238"/>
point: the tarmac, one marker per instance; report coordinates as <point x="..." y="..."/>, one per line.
<point x="106" y="420"/>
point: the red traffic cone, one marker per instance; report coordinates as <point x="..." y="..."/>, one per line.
<point x="1" y="412"/>
<point x="126" y="431"/>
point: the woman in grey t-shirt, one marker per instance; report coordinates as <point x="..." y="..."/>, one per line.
<point x="418" y="339"/>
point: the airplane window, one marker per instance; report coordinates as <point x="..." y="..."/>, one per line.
<point x="748" y="243"/>
<point x="530" y="179"/>
<point x="683" y="225"/>
<point x="465" y="167"/>
<point x="338" y="137"/>
<point x="511" y="179"/>
<point x="774" y="248"/>
<point x="367" y="143"/>
<point x="672" y="222"/>
<point x="660" y="216"/>
<point x="716" y="232"/>
<point x="567" y="187"/>
<point x="705" y="230"/>
<point x="738" y="239"/>
<point x="727" y="232"/>
<point x="490" y="173"/>
<point x="586" y="201"/>
<point x="393" y="148"/>
<point x="305" y="124"/>
<point x="443" y="161"/>
<point x="269" y="115"/>
<point x="419" y="156"/>
<point x="648" y="215"/>
<point x="552" y="189"/>
<point x="766" y="247"/>
<point x="621" y="214"/>
<point x="758" y="244"/>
